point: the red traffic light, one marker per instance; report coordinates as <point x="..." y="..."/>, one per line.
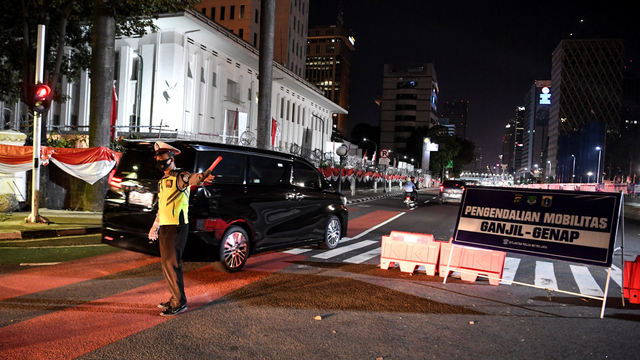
<point x="42" y="91"/>
<point x="41" y="98"/>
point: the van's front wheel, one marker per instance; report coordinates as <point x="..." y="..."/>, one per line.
<point x="233" y="250"/>
<point x="332" y="233"/>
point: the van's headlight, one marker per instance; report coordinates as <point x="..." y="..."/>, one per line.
<point x="344" y="200"/>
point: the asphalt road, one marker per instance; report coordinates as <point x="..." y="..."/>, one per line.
<point x="312" y="304"/>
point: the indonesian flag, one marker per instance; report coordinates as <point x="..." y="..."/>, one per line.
<point x="364" y="158"/>
<point x="90" y="164"/>
<point x="274" y="131"/>
<point x="373" y="158"/>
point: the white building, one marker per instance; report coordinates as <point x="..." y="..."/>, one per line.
<point x="195" y="79"/>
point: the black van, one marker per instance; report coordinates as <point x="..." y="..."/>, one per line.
<point x="257" y="200"/>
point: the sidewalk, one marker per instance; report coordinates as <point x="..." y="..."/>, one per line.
<point x="67" y="222"/>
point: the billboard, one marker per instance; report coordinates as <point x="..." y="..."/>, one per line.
<point x="570" y="226"/>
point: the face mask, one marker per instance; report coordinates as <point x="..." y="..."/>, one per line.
<point x="162" y="165"/>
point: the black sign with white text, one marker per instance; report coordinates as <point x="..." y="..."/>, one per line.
<point x="571" y="226"/>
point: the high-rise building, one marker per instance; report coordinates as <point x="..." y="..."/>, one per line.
<point x="508" y="146"/>
<point x="535" y="128"/>
<point x="328" y="66"/>
<point x="457" y="112"/>
<point x="586" y="83"/>
<point x="451" y="129"/>
<point x="409" y="101"/>
<point x="242" y="17"/>
<point x="518" y="145"/>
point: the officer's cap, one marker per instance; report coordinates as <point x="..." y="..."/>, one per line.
<point x="162" y="147"/>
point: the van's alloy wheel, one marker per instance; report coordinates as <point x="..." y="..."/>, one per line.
<point x="233" y="250"/>
<point x="332" y="233"/>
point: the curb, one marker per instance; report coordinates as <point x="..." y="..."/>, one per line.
<point x="353" y="201"/>
<point x="38" y="234"/>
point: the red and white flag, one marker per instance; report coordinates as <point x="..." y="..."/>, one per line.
<point x="373" y="158"/>
<point x="364" y="158"/>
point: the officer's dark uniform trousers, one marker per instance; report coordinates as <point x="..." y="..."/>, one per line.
<point x="173" y="239"/>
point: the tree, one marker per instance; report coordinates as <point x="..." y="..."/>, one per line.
<point x="68" y="25"/>
<point x="111" y="18"/>
<point x="450" y="148"/>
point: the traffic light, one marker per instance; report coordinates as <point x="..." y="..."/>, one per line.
<point x="41" y="98"/>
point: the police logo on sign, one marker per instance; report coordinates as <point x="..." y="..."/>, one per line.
<point x="531" y="200"/>
<point x="518" y="199"/>
<point x="546" y="201"/>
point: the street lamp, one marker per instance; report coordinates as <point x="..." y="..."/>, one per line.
<point x="341" y="152"/>
<point x="599" y="172"/>
<point x="573" y="172"/>
<point x="589" y="176"/>
<point x="549" y="172"/>
<point x="375" y="151"/>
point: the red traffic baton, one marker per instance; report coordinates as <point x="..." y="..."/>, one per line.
<point x="213" y="165"/>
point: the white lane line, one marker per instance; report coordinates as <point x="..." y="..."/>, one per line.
<point x="545" y="276"/>
<point x="510" y="268"/>
<point x="297" y="251"/>
<point x="345" y="239"/>
<point x="358" y="259"/>
<point x="341" y="250"/>
<point x="616" y="275"/>
<point x="586" y="283"/>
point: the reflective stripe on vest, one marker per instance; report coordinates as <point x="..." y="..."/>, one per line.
<point x="171" y="201"/>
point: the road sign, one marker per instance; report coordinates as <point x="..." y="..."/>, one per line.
<point x="384" y="153"/>
<point x="383" y="161"/>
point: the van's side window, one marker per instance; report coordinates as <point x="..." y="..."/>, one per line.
<point x="229" y="170"/>
<point x="268" y="171"/>
<point x="305" y="176"/>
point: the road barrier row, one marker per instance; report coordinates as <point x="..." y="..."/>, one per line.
<point x="409" y="250"/>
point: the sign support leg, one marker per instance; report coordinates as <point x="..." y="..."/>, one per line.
<point x="446" y="275"/>
<point x="606" y="293"/>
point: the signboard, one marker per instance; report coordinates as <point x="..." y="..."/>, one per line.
<point x="383" y="161"/>
<point x="384" y="153"/>
<point x="571" y="226"/>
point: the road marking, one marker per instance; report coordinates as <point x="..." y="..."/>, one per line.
<point x="545" y="276"/>
<point x="510" y="268"/>
<point x="297" y="251"/>
<point x="345" y="239"/>
<point x="616" y="275"/>
<point x="341" y="250"/>
<point x="586" y="283"/>
<point x="360" y="225"/>
<point x="358" y="259"/>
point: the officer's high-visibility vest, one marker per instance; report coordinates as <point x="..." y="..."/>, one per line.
<point x="172" y="201"/>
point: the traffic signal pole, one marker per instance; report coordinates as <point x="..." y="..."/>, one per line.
<point x="35" y="217"/>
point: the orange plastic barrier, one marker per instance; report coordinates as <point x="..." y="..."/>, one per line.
<point x="409" y="250"/>
<point x="632" y="280"/>
<point x="471" y="262"/>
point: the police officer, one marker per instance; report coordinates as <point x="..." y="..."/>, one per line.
<point x="171" y="225"/>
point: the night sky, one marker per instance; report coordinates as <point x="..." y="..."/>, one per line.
<point x="486" y="52"/>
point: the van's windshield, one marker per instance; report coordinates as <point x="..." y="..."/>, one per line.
<point x="137" y="162"/>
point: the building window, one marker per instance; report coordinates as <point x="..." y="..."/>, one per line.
<point x="232" y="12"/>
<point x="213" y="13"/>
<point x="406" y="96"/>
<point x="405" y="107"/>
<point x="255" y="40"/>
<point x="240" y="32"/>
<point x="241" y="15"/>
<point x="213" y="79"/>
<point x="407" y="85"/>
<point x="222" y="12"/>
<point x="405" y="118"/>
<point x="257" y="17"/>
<point x="204" y="11"/>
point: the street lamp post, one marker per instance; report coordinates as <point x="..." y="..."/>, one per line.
<point x="573" y="172"/>
<point x="598" y="172"/>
